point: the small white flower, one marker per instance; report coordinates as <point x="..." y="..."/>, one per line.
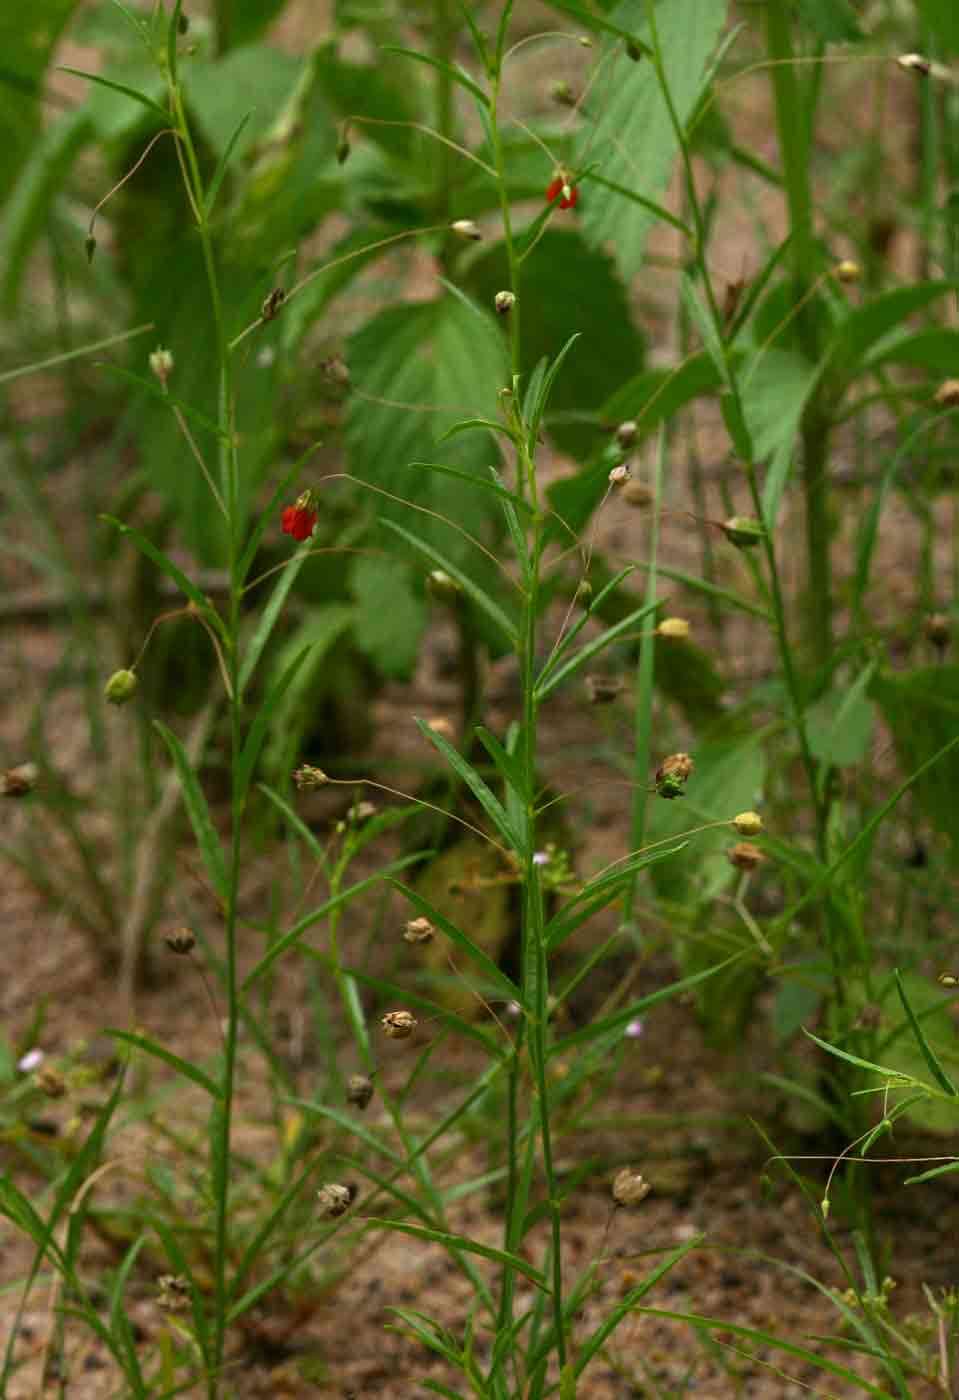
<point x="634" y="1029"/>
<point x="32" y="1060"/>
<point x="541" y="858"/>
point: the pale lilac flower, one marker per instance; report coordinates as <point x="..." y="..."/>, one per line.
<point x="634" y="1029"/>
<point x="32" y="1060"/>
<point x="541" y="858"/>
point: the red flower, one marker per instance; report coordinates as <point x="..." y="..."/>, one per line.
<point x="560" y="186"/>
<point x="300" y="519"/>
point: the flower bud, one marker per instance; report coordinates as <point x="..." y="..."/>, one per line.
<point x="89" y="247"/>
<point x="948" y="979"/>
<point x="466" y="229"/>
<point x="848" y="271"/>
<point x="947" y="395"/>
<point x="915" y="63"/>
<point x="626" y="433"/>
<point x="673" y="774"/>
<point x="443" y="588"/>
<point x="742" y="531"/>
<point x="17" y="782"/>
<point x="504" y="303"/>
<point x="399" y="1025"/>
<point x="602" y="690"/>
<point x="629" y="1187"/>
<point x="161" y="364"/>
<point x="748" y="823"/>
<point x="120" y="688"/>
<point x="180" y="941"/>
<point x="359" y="1090"/>
<point x="418" y="931"/>
<point x="335" y="1200"/>
<point x="306" y="777"/>
<point x="673" y="628"/>
<point x="745" y="856"/>
<point x="343" y="148"/>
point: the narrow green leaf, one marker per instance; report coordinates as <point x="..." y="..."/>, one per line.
<point x="600" y="893"/>
<point x="856" y="1060"/>
<point x="450" y="69"/>
<point x="461" y="1242"/>
<point x="462" y="940"/>
<point x="257" y="732"/>
<point x="484" y="483"/>
<point x="184" y="1067"/>
<point x="490" y="804"/>
<point x="222" y="164"/>
<point x="198" y="812"/>
<point x="147" y="547"/>
<point x="482" y="600"/>
<point x="626" y="1304"/>
<point x="593" y="648"/>
<point x="140" y="97"/>
<point x="928" y="1054"/>
<point x="54" y="361"/>
<point x="270" y="614"/>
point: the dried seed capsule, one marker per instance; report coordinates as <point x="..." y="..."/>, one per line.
<point x="626" y="433"/>
<point x="180" y="941"/>
<point x="335" y="1200"/>
<point x="602" y="690"/>
<point x="399" y="1025"/>
<point x="947" y="395"/>
<point x="121" y="687"/>
<point x="418" y="931"/>
<point x="467" y="229"/>
<point x="619" y="475"/>
<point x="674" y="628"/>
<point x="745" y="856"/>
<point x="307" y="777"/>
<point x="504" y="303"/>
<point x="673" y="774"/>
<point x="173" y="1293"/>
<point x="359" y="1090"/>
<point x="17" y="782"/>
<point x="272" y="303"/>
<point x="848" y="271"/>
<point x="630" y="1187"/>
<point x="742" y="531"/>
<point x="748" y="823"/>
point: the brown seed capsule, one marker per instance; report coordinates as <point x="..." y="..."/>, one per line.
<point x="619" y="475"/>
<point x="307" y="777"/>
<point x="745" y="856"/>
<point x="336" y="371"/>
<point x="418" y="931"/>
<point x="399" y="1025"/>
<point x="180" y="941"/>
<point x="673" y="628"/>
<point x="51" y="1082"/>
<point x="626" y="433"/>
<point x="272" y="304"/>
<point x="748" y="823"/>
<point x="602" y="690"/>
<point x="335" y="1200"/>
<point x="17" y="782"/>
<point x="359" y="1090"/>
<point x="938" y="629"/>
<point x="947" y="395"/>
<point x="673" y="774"/>
<point x="637" y="494"/>
<point x="629" y="1187"/>
<point x="848" y="272"/>
<point x="915" y="63"/>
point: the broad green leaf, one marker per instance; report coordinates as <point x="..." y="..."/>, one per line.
<point x="206" y="835"/>
<point x="921" y="708"/>
<point x="864" y="328"/>
<point x="159" y="1052"/>
<point x="632" y="139"/>
<point x="390" y="616"/>
<point x="775" y="388"/>
<point x="934" y="350"/>
<point x="28" y="35"/>
<point x="254" y="81"/>
<point x="569" y="286"/>
<point x="418" y="369"/>
<point x="839" y="726"/>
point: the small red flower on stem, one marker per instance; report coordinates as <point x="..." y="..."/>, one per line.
<point x="559" y="185"/>
<point x="300" y="519"/>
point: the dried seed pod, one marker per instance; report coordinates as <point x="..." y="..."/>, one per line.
<point x="335" y="1200"/>
<point x="418" y="931"/>
<point x="673" y="628"/>
<point x="121" y="687"/>
<point x="673" y="774"/>
<point x="947" y="395"/>
<point x="359" y="1090"/>
<point x="848" y="272"/>
<point x="745" y="856"/>
<point x="504" y="303"/>
<point x="619" y="475"/>
<point x="173" y="1293"/>
<point x="307" y="777"/>
<point x="630" y="1187"/>
<point x="742" y="531"/>
<point x="399" y="1025"/>
<point x="180" y="941"/>
<point x="272" y="303"/>
<point x="748" y="823"/>
<point x="602" y="690"/>
<point x="626" y="433"/>
<point x="19" y="781"/>
<point x="938" y="630"/>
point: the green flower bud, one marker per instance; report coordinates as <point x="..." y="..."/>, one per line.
<point x="121" y="687"/>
